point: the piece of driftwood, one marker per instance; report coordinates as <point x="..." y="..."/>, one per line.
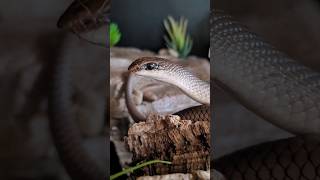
<point x="184" y="143"/>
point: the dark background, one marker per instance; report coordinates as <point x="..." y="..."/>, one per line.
<point x="141" y="22"/>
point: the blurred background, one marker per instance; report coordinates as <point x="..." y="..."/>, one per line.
<point x="291" y="26"/>
<point x="30" y="41"/>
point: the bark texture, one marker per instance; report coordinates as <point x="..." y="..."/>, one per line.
<point x="183" y="142"/>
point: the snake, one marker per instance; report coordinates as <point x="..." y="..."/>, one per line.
<point x="267" y="82"/>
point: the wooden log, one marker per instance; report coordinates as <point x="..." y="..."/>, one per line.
<point x="183" y="142"/>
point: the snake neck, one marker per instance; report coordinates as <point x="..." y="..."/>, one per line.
<point x="195" y="88"/>
<point x="189" y="83"/>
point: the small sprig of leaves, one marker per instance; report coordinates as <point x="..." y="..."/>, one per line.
<point x="138" y="166"/>
<point x="178" y="39"/>
<point x="114" y="34"/>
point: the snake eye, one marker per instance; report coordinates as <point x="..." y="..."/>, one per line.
<point x="151" y="66"/>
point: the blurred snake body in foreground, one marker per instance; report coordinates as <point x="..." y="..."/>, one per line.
<point x="81" y="16"/>
<point x="265" y="80"/>
<point x="78" y="163"/>
<point x="278" y="89"/>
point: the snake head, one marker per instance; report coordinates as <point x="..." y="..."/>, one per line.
<point x="152" y="67"/>
<point x="146" y="64"/>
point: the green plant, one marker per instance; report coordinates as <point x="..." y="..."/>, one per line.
<point x="138" y="166"/>
<point x="178" y="39"/>
<point x="114" y="34"/>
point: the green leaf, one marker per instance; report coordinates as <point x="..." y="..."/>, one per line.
<point x="114" y="34"/>
<point x="177" y="38"/>
<point x="138" y="166"/>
